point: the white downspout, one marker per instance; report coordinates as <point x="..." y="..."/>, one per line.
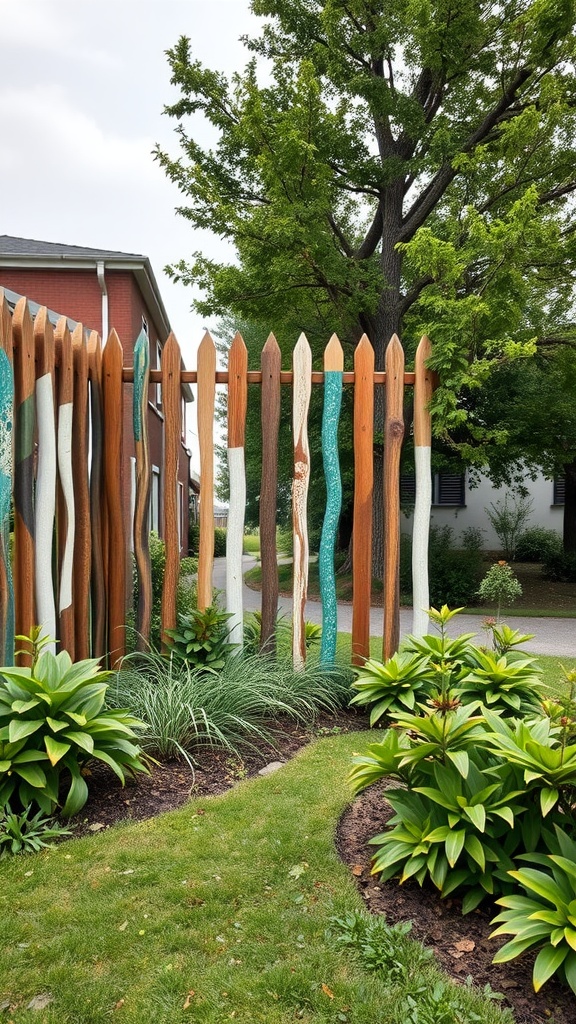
<point x="104" y="290"/>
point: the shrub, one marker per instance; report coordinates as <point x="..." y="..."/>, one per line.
<point x="21" y="834"/>
<point x="185" y="594"/>
<point x="561" y="567"/>
<point x="508" y="519"/>
<point x="499" y="586"/>
<point x="219" y="542"/>
<point x="454" y="573"/>
<point x="52" y="723"/>
<point x="538" y="544"/>
<point x="201" y="638"/>
<point x="193" y="538"/>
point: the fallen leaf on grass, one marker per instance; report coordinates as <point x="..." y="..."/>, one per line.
<point x="327" y="991"/>
<point x="188" y="1000"/>
<point x="119" y="1004"/>
<point x="96" y="826"/>
<point x="298" y="869"/>
<point x="122" y="927"/>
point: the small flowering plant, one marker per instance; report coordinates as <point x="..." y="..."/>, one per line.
<point x="500" y="586"/>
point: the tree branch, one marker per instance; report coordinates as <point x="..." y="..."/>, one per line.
<point x="373" y="236"/>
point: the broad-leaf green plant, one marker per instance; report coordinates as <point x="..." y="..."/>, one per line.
<point x="506" y="683"/>
<point x="202" y="638"/>
<point x="20" y="833"/>
<point x="392" y="686"/>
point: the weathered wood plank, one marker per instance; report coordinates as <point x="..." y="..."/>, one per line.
<point x="116" y="556"/>
<point x="6" y="482"/>
<point x="66" y="512"/>
<point x="82" y="538"/>
<point x="423" y="388"/>
<point x="171" y="406"/>
<point x="363" y="488"/>
<point x="143" y="484"/>
<point x="24" y="408"/>
<point x="333" y="370"/>
<point x="302" y="368"/>
<point x="206" y="396"/>
<point x="270" y="362"/>
<point x="237" y="404"/>
<point x="45" y="497"/>
<point x="97" y="499"/>
<point x="393" y="435"/>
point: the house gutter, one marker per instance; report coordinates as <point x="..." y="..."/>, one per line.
<point x="104" y="290"/>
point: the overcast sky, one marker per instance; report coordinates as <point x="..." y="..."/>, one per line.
<point x="82" y="88"/>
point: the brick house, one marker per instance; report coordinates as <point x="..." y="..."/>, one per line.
<point x="102" y="290"/>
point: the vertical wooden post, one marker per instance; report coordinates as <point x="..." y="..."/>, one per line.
<point x="6" y="482"/>
<point x="270" y="418"/>
<point x="82" y="540"/>
<point x="66" y="512"/>
<point x="393" y="435"/>
<point x="172" y="407"/>
<point x="23" y="337"/>
<point x="333" y="370"/>
<point x="97" y="499"/>
<point x="363" y="487"/>
<point x="206" y="392"/>
<point x="302" y="384"/>
<point x="423" y="465"/>
<point x="237" y="404"/>
<point x="143" y="482"/>
<point x="116" y="560"/>
<point x="45" y="505"/>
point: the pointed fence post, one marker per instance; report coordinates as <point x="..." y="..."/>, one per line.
<point x="206" y="393"/>
<point x="24" y="415"/>
<point x="237" y="404"/>
<point x="270" y="418"/>
<point x="333" y="371"/>
<point x="143" y="483"/>
<point x="423" y="466"/>
<point x="393" y="434"/>
<point x="116" y="555"/>
<point x="172" y="407"/>
<point x="363" y="488"/>
<point x="45" y="497"/>
<point x="66" y="511"/>
<point x="302" y="384"/>
<point x="6" y="483"/>
<point x="82" y="540"/>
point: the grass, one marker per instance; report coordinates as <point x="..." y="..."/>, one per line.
<point x="218" y="911"/>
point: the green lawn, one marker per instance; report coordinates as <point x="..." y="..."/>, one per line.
<point x="215" y="912"/>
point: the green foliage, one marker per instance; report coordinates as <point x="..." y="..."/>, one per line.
<point x="454" y="572"/>
<point x="538" y="544"/>
<point x="508" y="682"/>
<point x="561" y="567"/>
<point x="201" y="638"/>
<point x="392" y="686"/>
<point x="53" y="723"/>
<point x="500" y="586"/>
<point x="185" y="594"/>
<point x="544" y="918"/>
<point x="20" y="833"/>
<point x="508" y="519"/>
<point x="382" y="947"/>
<point x="219" y="542"/>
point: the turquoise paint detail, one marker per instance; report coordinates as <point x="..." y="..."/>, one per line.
<point x="141" y="366"/>
<point x="330" y="418"/>
<point x="6" y="462"/>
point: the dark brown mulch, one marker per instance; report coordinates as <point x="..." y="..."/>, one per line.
<point x="461" y="944"/>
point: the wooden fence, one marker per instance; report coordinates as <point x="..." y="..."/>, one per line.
<point x="61" y="400"/>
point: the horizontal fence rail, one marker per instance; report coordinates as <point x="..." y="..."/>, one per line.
<point x="61" y="456"/>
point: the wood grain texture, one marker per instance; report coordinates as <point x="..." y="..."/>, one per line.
<point x="6" y="483"/>
<point x="143" y="485"/>
<point x="45" y="496"/>
<point x="270" y="361"/>
<point x="423" y="389"/>
<point x="97" y="499"/>
<point x="237" y="404"/>
<point x="172" y="408"/>
<point x="393" y="436"/>
<point x="82" y="537"/>
<point x="116" y="563"/>
<point x="333" y="369"/>
<point x="65" y="512"/>
<point x="206" y="397"/>
<point x="24" y="409"/>
<point x="363" y="490"/>
<point x="302" y="368"/>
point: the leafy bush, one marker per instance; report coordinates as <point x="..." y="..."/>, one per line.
<point x="193" y="538"/>
<point x="52" y="723"/>
<point x="201" y="638"/>
<point x="508" y="519"/>
<point x="500" y="586"/>
<point x="21" y="834"/>
<point x="185" y="595"/>
<point x="561" y="567"/>
<point x="454" y="573"/>
<point x="219" y="542"/>
<point x="538" y="544"/>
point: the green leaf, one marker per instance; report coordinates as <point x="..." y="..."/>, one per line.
<point x="461" y="760"/>
<point x="477" y="815"/>
<point x="548" y="800"/>
<point x="35" y="776"/>
<point x="77" y="795"/>
<point x="454" y="846"/>
<point x="18" y="730"/>
<point x="547" y="963"/>
<point x="55" y="750"/>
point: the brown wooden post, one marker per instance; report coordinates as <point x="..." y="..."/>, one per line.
<point x="65" y="509"/>
<point x="363" y="487"/>
<point x="393" y="435"/>
<point x="270" y="416"/>
<point x="116" y="577"/>
<point x="24" y="409"/>
<point x="97" y="498"/>
<point x="206" y="393"/>
<point x="172" y="408"/>
<point x="82" y="540"/>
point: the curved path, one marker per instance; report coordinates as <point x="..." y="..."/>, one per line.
<point x="556" y="637"/>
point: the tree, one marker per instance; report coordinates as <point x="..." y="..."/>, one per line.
<point x="392" y="166"/>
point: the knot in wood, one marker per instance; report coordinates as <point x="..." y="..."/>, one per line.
<point x="396" y="429"/>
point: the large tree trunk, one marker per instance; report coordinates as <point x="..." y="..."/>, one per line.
<point x="569" y="532"/>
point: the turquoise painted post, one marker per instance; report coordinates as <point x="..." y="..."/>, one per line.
<point x="330" y="418"/>
<point x="6" y="463"/>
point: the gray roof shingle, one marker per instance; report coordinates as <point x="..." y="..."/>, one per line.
<point x="11" y="246"/>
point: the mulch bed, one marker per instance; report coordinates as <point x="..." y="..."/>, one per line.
<point x="461" y="944"/>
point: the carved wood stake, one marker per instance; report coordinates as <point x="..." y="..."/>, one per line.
<point x="393" y="434"/>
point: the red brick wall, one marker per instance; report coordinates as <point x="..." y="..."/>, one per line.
<point x="74" y="293"/>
